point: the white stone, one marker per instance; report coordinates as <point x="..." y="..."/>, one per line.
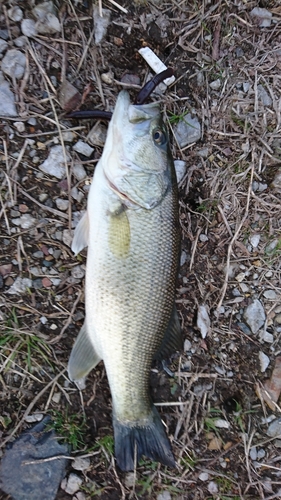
<point x="165" y="495"/>
<point x="62" y="204"/>
<point x="216" y="84"/>
<point x="100" y="23"/>
<point x="213" y="488"/>
<point x="3" y="45"/>
<point x="55" y="163"/>
<point x="220" y="423"/>
<point x="7" y="98"/>
<point x="83" y="148"/>
<point x="267" y="337"/>
<point x="188" y="130"/>
<point x="204" y="476"/>
<point x="180" y="167"/>
<point x="15" y="14"/>
<point x="270" y="294"/>
<point x="79" y="172"/>
<point x="20" y="286"/>
<point x="77" y="272"/>
<point x="81" y="463"/>
<point x="28" y="28"/>
<point x="203" y="238"/>
<point x="263" y="15"/>
<point x="264" y="361"/>
<point x="13" y="63"/>
<point x="73" y="484"/>
<point x="26" y="221"/>
<point x="203" y="320"/>
<point x="130" y="480"/>
<point x="254" y="315"/>
<point x="20" y="126"/>
<point x="254" y="240"/>
<point x="35" y="417"/>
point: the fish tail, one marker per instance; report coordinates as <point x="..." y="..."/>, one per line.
<point x="133" y="441"/>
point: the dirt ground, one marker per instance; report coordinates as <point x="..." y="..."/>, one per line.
<point x="227" y="67"/>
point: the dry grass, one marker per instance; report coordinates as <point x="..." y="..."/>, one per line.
<point x="206" y="41"/>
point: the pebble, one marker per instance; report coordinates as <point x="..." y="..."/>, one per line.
<point x="80" y="496"/>
<point x="180" y="167"/>
<point x="62" y="204"/>
<point x="108" y="77"/>
<point x="56" y="397"/>
<point x="7" y="98"/>
<point x="36" y="417"/>
<point x="187" y="131"/>
<point x="274" y="429"/>
<point x="3" y="45"/>
<point x="20" y="126"/>
<point x="213" y="488"/>
<point x="77" y="272"/>
<point x="37" y="284"/>
<point x="277" y="319"/>
<point x="254" y="315"/>
<point x="203" y="320"/>
<point x="203" y="238"/>
<point x="216" y="84"/>
<point x="270" y="294"/>
<point x="13" y="63"/>
<point x="47" y="22"/>
<point x="271" y="246"/>
<point x="76" y="195"/>
<point x="221" y="423"/>
<point x="20" y="286"/>
<point x="263" y="16"/>
<point x="68" y="136"/>
<point x="28" y="28"/>
<point x="130" y="480"/>
<point x="100" y="23"/>
<point x="204" y="476"/>
<point x="43" y="320"/>
<point x="253" y="453"/>
<point x="46" y="282"/>
<point x="25" y="221"/>
<point x="83" y="148"/>
<point x="264" y="361"/>
<point x="81" y="463"/>
<point x="15" y="14"/>
<point x="254" y="240"/>
<point x="67" y="237"/>
<point x="183" y="258"/>
<point x="79" y="172"/>
<point x="264" y="96"/>
<point x="97" y="135"/>
<point x="55" y="164"/>
<point x="267" y="337"/>
<point x="72" y="484"/>
<point x="165" y="495"/>
<point x="20" y="42"/>
<point x="69" y="96"/>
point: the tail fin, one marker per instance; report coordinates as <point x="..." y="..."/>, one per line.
<point x="149" y="439"/>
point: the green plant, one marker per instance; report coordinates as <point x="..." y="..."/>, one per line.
<point x="173" y="118"/>
<point x="71" y="428"/>
<point x="106" y="445"/>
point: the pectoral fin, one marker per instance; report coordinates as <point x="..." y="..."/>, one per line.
<point x="83" y="357"/>
<point x="172" y="340"/>
<point x="81" y="235"/>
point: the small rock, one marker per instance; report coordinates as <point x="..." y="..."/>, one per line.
<point x="43" y="320"/>
<point x="264" y="96"/>
<point x="26" y="221"/>
<point x="254" y="240"/>
<point x="47" y="22"/>
<point x="261" y="453"/>
<point x="36" y="417"/>
<point x="264" y="361"/>
<point x="20" y="286"/>
<point x="3" y="45"/>
<point x="270" y="294"/>
<point x="180" y="167"/>
<point x="77" y="272"/>
<point x="100" y="23"/>
<point x="244" y="287"/>
<point x="76" y="195"/>
<point x="69" y="96"/>
<point x="165" y="495"/>
<point x="267" y="337"/>
<point x="274" y="429"/>
<point x="204" y="476"/>
<point x="221" y="423"/>
<point x="62" y="204"/>
<point x="55" y="163"/>
<point x="277" y="319"/>
<point x="130" y="480"/>
<point x="79" y="172"/>
<point x="108" y="77"/>
<point x="15" y="14"/>
<point x="73" y="484"/>
<point x="253" y="453"/>
<point x="187" y="131"/>
<point x="216" y="84"/>
<point x="83" y="148"/>
<point x="80" y="496"/>
<point x="81" y="463"/>
<point x="271" y="246"/>
<point x="5" y="269"/>
<point x="67" y="237"/>
<point x="28" y="28"/>
<point x="213" y="488"/>
<point x="254" y="315"/>
<point x="203" y="320"/>
<point x="13" y="63"/>
<point x="20" y="42"/>
<point x="46" y="283"/>
<point x="203" y="238"/>
<point x="183" y="258"/>
<point x="68" y="136"/>
<point x="203" y="153"/>
<point x="97" y="135"/>
<point x="56" y="397"/>
<point x="131" y="79"/>
<point x="7" y="98"/>
<point x="259" y="186"/>
<point x="263" y="16"/>
<point x="20" y="126"/>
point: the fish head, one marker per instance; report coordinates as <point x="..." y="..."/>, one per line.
<point x="136" y="160"/>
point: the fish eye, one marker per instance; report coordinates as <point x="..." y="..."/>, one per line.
<point x="159" y="137"/>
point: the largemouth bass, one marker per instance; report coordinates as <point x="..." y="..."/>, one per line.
<point x="131" y="229"/>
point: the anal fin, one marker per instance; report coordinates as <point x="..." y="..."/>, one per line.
<point x="81" y="234"/>
<point x="83" y="357"/>
<point x="172" y="340"/>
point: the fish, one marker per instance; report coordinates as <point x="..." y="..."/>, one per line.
<point x="131" y="229"/>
